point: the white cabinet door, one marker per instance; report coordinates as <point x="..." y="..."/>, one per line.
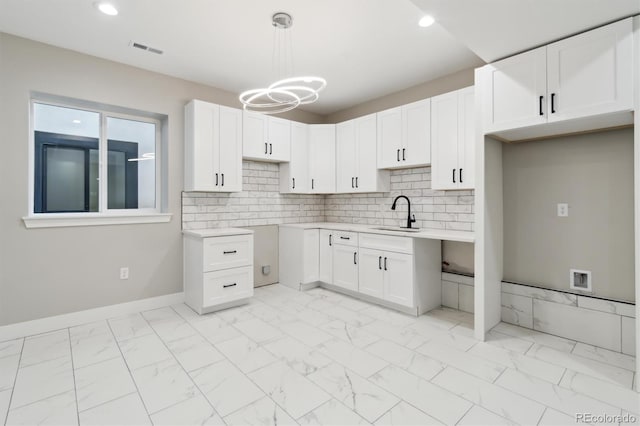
<point x="389" y="138"/>
<point x="345" y="267"/>
<point x="444" y="141"/>
<point x="322" y="158"/>
<point x="371" y="273"/>
<point x="326" y="256"/>
<point x="279" y="139"/>
<point x="366" y="166"/>
<point x="311" y="255"/>
<point x="230" y="149"/>
<point x="416" y="134"/>
<point x="346" y="156"/>
<point x="201" y="162"/>
<point x="294" y="174"/>
<point x="466" y="138"/>
<point x="398" y="278"/>
<point x="517" y="89"/>
<point x="591" y="73"/>
<point x="254" y="135"/>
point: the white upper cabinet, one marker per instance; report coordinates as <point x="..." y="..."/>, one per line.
<point x="322" y="159"/>
<point x="213" y="148"/>
<point x="266" y="138"/>
<point x="356" y="160"/>
<point x="294" y="175"/>
<point x="583" y="76"/>
<point x="404" y="136"/>
<point x="452" y="140"/>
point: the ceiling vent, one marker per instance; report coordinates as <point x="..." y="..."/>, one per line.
<point x="145" y="47"/>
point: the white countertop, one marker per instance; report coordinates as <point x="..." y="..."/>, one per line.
<point x="216" y="232"/>
<point x="434" y="234"/>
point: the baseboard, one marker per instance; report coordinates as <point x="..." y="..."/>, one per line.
<point x="44" y="325"/>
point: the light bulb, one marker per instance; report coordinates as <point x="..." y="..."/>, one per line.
<point x="426" y="21"/>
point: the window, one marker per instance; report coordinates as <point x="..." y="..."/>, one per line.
<point x="94" y="163"/>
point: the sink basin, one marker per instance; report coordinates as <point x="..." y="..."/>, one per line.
<point x="398" y="229"/>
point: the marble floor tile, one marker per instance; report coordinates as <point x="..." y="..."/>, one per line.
<point x="235" y="315"/>
<point x="332" y="413"/>
<point x="478" y="416"/>
<point x="263" y="412"/>
<point x="45" y="347"/>
<point x="90" y="329"/>
<point x="188" y="314"/>
<point x="8" y="370"/>
<point x="606" y="356"/>
<point x="266" y="313"/>
<point x="305" y="333"/>
<point x="355" y="392"/>
<point x="102" y="382"/>
<point x="602" y="390"/>
<point x="352" y="357"/>
<point x="93" y="348"/>
<point x="354" y="304"/>
<point x="129" y="326"/>
<point x="160" y="315"/>
<point x="173" y="329"/>
<point x="163" y="384"/>
<point x="597" y="369"/>
<point x="558" y="343"/>
<point x="42" y="380"/>
<point x="387" y="315"/>
<point x="554" y="396"/>
<point x="245" y="354"/>
<point x="500" y="401"/>
<point x="289" y="389"/>
<point x="357" y="319"/>
<point x="58" y="409"/>
<point x="215" y="330"/>
<point x="479" y="367"/>
<point x="226" y="387"/>
<point x="144" y="350"/>
<point x="433" y="400"/>
<point x="125" y="411"/>
<point x="11" y="347"/>
<point x="553" y="417"/>
<point x="401" y="335"/>
<point x="411" y="361"/>
<point x="510" y="343"/>
<point x="404" y="414"/>
<point x="193" y="411"/>
<point x="517" y="361"/>
<point x="194" y="352"/>
<point x="258" y="330"/>
<point x="313" y="317"/>
<point x="355" y="335"/>
<point x="5" y="398"/>
<point x="302" y="358"/>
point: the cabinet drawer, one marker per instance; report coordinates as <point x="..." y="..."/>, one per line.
<point x="387" y="243"/>
<point x="345" y="238"/>
<point x="227" y="285"/>
<point x="227" y="252"/>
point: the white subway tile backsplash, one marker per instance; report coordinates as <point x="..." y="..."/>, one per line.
<point x="624" y="309"/>
<point x="540" y="293"/>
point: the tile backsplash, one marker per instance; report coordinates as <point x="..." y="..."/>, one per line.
<point x="260" y="203"/>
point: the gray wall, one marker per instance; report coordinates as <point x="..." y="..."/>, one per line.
<point x="593" y="173"/>
<point x="53" y="271"/>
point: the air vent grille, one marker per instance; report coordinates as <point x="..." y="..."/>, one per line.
<point x="145" y="47"/>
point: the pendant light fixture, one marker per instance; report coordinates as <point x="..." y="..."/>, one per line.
<point x="286" y="93"/>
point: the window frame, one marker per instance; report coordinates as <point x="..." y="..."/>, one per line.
<point x="104" y="215"/>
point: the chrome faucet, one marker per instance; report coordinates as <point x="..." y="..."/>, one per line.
<point x="410" y="218"/>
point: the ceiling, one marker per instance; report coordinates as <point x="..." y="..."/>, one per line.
<point x="363" y="48"/>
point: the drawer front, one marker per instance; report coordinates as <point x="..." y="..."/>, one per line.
<point x="345" y="238"/>
<point x="227" y="285"/>
<point x="227" y="252"/>
<point x="387" y="243"/>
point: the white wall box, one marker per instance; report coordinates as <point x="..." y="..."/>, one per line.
<point x="294" y="175"/>
<point x="404" y="136"/>
<point x="218" y="268"/>
<point x="213" y="148"/>
<point x="356" y="159"/>
<point x="453" y="140"/>
<point x="561" y="85"/>
<point x="265" y="138"/>
<point x="299" y="257"/>
<point x="322" y="159"/>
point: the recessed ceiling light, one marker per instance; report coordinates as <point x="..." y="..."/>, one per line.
<point x="107" y="8"/>
<point x="426" y="21"/>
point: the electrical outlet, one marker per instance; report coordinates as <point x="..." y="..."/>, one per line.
<point x="124" y="273"/>
<point x="563" y="210"/>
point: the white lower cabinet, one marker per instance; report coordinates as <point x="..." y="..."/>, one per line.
<point x="326" y="256"/>
<point x="298" y="264"/>
<point x="345" y="266"/>
<point x="218" y="268"/>
<point x="371" y="272"/>
<point x="387" y="275"/>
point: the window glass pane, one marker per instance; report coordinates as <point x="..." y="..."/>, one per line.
<point x="66" y="121"/>
<point x="65" y="179"/>
<point x="131" y="164"/>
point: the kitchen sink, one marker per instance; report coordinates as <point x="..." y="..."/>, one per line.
<point x="398" y="229"/>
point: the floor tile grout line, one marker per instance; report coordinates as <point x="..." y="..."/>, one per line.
<point x="542" y="416"/>
<point x="15" y="379"/>
<point x="467" y="412"/>
<point x="129" y="370"/>
<point x="73" y="372"/>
